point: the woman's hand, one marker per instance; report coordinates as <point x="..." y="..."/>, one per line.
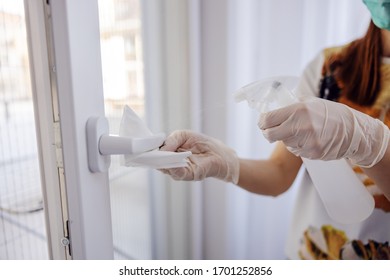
<point x="320" y="129"/>
<point x="210" y="157"/>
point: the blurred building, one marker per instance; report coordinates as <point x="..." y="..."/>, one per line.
<point x="14" y="65"/>
<point x="121" y="50"/>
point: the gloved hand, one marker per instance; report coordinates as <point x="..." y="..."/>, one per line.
<point x="210" y="157"/>
<point x="320" y="129"/>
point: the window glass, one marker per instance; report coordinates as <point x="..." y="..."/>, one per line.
<point x="22" y="223"/>
<point x="122" y="67"/>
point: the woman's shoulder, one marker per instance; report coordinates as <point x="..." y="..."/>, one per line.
<point x="334" y="50"/>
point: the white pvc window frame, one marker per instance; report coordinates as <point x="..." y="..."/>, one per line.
<point x="72" y="27"/>
<point x="76" y="43"/>
<point x="46" y="117"/>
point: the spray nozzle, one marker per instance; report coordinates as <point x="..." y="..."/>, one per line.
<point x="269" y="94"/>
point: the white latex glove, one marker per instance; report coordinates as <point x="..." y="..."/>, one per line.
<point x="210" y="157"/>
<point x="320" y="129"/>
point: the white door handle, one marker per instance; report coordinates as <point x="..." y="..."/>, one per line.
<point x="101" y="145"/>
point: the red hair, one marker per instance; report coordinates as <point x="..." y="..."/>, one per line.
<point x="357" y="68"/>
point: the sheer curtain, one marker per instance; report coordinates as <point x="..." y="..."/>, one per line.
<point x="197" y="53"/>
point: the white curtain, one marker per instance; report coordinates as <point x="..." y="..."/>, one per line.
<point x="197" y="53"/>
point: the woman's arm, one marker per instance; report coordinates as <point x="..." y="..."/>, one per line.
<point x="272" y="176"/>
<point x="212" y="158"/>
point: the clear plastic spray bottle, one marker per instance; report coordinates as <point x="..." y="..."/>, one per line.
<point x="344" y="196"/>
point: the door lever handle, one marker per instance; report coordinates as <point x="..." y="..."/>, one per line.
<point x="101" y="145"/>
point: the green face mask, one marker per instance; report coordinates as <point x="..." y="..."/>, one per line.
<point x="380" y="12"/>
